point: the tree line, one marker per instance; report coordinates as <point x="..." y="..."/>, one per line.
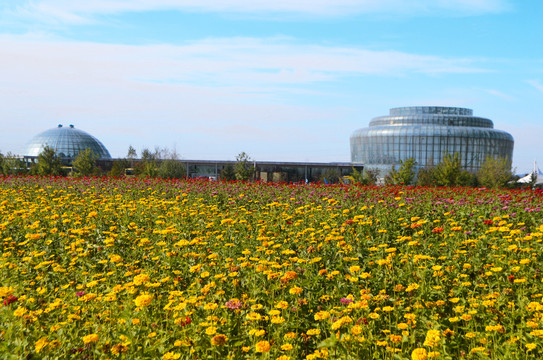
<point x="495" y="172"/>
<point x="162" y="163"/>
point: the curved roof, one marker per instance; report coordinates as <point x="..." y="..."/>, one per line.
<point x="67" y="142"/>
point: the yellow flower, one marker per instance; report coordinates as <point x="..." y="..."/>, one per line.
<point x="171" y="356"/>
<point x="90" y="338"/>
<point x="262" y="346"/>
<point x="295" y="290"/>
<point x="419" y="354"/>
<point x="287" y="347"/>
<point x="531" y="346"/>
<point x="289" y="335"/>
<point x="143" y="300"/>
<point x="141" y="278"/>
<point x="356" y="330"/>
<point x="40" y="344"/>
<point x="432" y="338"/>
<point x="313" y="332"/>
<point x="322" y="315"/>
<point x="354" y="268"/>
<point x="211" y="330"/>
<point x="219" y="340"/>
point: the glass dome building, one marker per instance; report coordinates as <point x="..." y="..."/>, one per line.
<point x="427" y="133"/>
<point x="67" y="142"/>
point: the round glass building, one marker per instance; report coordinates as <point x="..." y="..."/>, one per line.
<point x="427" y="133"/>
<point x="67" y="142"/>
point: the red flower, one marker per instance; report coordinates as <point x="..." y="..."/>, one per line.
<point x="437" y="230"/>
<point x="10" y="300"/>
<point x="362" y="320"/>
<point x="511" y="278"/>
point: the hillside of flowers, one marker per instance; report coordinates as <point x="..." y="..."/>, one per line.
<point x="150" y="269"/>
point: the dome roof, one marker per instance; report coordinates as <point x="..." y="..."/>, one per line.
<point x="67" y="142"/>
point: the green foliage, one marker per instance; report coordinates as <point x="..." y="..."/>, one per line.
<point x="172" y="167"/>
<point x="158" y="163"/>
<point x="330" y="176"/>
<point x="148" y="165"/>
<point x="404" y="175"/>
<point x="12" y="165"/>
<point x="84" y="163"/>
<point x="228" y="173"/>
<point x="119" y="168"/>
<point x="495" y="172"/>
<point x="449" y="172"/>
<point x="48" y="163"/>
<point x="365" y="176"/>
<point x="425" y="176"/>
<point x="244" y="168"/>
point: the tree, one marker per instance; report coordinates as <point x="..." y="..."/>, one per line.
<point x="228" y="173"/>
<point x="12" y="165"/>
<point x="131" y="155"/>
<point x="171" y="167"/>
<point x="48" y="163"/>
<point x="449" y="172"/>
<point x="365" y="176"/>
<point x="148" y="165"/>
<point x="495" y="172"/>
<point x="118" y="169"/>
<point x="330" y="176"/>
<point x="404" y="175"/>
<point x="243" y="168"/>
<point x="84" y="163"/>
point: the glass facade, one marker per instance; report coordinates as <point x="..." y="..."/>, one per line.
<point x="427" y="133"/>
<point x="67" y="142"/>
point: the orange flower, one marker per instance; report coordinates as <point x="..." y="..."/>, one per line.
<point x="263" y="346"/>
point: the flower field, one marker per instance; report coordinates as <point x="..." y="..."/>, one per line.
<point x="152" y="269"/>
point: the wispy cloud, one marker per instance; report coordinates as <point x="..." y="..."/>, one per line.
<point x="499" y="94"/>
<point x="536" y="84"/>
<point x="211" y="62"/>
<point x="81" y="11"/>
<point x="238" y="81"/>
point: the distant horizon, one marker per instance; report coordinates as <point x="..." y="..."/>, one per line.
<point x="288" y="81"/>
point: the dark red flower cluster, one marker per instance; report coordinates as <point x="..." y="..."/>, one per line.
<point x="186" y="322"/>
<point x="10" y="300"/>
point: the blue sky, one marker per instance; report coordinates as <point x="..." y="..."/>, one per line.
<point x="280" y="80"/>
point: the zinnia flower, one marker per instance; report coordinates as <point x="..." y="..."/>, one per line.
<point x="419" y="354"/>
<point x="90" y="338"/>
<point x="219" y="340"/>
<point x="143" y="300"/>
<point x="263" y="346"/>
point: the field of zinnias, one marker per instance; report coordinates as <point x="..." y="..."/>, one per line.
<point x="151" y="269"/>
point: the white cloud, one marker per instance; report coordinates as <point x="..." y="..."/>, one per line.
<point x="246" y="83"/>
<point x="536" y="84"/>
<point x="220" y="62"/>
<point x="500" y="94"/>
<point x="70" y="11"/>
